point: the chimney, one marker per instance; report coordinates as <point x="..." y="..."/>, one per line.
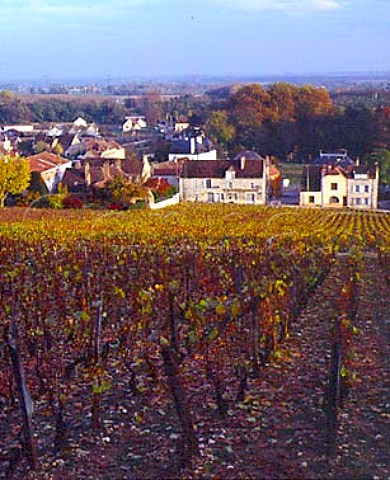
<point x="357" y="161"/>
<point x="242" y="162"/>
<point x="87" y="174"/>
<point x="106" y="169"/>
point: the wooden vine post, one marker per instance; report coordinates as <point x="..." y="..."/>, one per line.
<point x="25" y="401"/>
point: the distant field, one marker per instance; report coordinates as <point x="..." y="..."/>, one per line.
<point x="30" y="98"/>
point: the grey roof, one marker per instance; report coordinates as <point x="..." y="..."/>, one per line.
<point x="333" y="158"/>
<point x="218" y="168"/>
<point x="248" y="155"/>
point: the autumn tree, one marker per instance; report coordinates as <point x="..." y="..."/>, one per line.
<point x="313" y="105"/>
<point x="313" y="102"/>
<point x="124" y="192"/>
<point x="283" y="100"/>
<point x="250" y="105"/>
<point x="14" y="176"/>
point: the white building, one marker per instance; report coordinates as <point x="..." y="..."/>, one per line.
<point x="225" y="181"/>
<point x="133" y="124"/>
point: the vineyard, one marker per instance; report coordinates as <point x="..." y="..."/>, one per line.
<point x="199" y="342"/>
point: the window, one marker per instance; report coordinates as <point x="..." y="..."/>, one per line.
<point x="367" y="201"/>
<point x="367" y="188"/>
<point x="230" y="185"/>
<point x="357" y="188"/>
<point x="253" y="186"/>
<point x="230" y="175"/>
<point x="210" y="197"/>
<point x="333" y="186"/>
<point x="250" y="197"/>
<point x="208" y="183"/>
<point x="222" y="197"/>
<point x="311" y="199"/>
<point x="358" y="201"/>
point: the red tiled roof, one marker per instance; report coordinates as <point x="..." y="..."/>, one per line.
<point x="100" y="145"/>
<point x="168" y="168"/>
<point x="45" y="161"/>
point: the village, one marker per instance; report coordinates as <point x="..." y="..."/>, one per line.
<point x="74" y="165"/>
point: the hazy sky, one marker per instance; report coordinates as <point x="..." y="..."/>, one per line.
<point x="118" y="38"/>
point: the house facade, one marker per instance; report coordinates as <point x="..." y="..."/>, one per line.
<point x="225" y="181"/>
<point x="336" y="186"/>
<point x="363" y="187"/>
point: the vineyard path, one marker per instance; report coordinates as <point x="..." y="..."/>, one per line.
<point x="291" y="394"/>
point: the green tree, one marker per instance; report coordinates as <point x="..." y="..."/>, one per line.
<point x="382" y="157"/>
<point x="41" y="146"/>
<point x="12" y="109"/>
<point x="219" y="130"/>
<point x="14" y="176"/>
<point x="37" y="185"/>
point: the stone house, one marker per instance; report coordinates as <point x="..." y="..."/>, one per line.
<point x="225" y="181"/>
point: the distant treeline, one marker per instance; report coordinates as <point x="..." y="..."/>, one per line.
<point x="283" y="120"/>
<point x="14" y="110"/>
<point x="293" y="122"/>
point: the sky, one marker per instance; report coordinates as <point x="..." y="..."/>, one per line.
<point x="107" y="39"/>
